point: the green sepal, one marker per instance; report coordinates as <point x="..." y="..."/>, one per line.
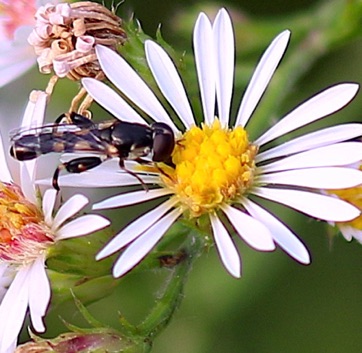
<point x="76" y="256"/>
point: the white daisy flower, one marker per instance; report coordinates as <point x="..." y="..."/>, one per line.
<point x="16" y="54"/>
<point x="27" y="231"/>
<point x="216" y="167"/>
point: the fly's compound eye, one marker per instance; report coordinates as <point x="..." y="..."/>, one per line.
<point x="22" y="154"/>
<point x="163" y="142"/>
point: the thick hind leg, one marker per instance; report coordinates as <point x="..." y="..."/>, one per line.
<point x="77" y="165"/>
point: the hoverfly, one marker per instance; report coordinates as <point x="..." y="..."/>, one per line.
<point x="108" y="139"/>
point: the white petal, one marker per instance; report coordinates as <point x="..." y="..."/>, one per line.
<point x="3" y="268"/>
<point x="128" y="82"/>
<point x="12" y="346"/>
<point x="48" y="203"/>
<point x="99" y="179"/>
<point x="135" y="229"/>
<point x="288" y="241"/>
<point x="349" y="232"/>
<point x="13" y="308"/>
<point x="39" y="294"/>
<point x="261" y="77"/>
<point x="33" y="116"/>
<point x="250" y="230"/>
<point x="224" y="46"/>
<point x="346" y="232"/>
<point x="225" y="247"/>
<point x="5" y="175"/>
<point x="319" y="206"/>
<point x="315" y="139"/>
<point x="26" y="179"/>
<point x="319" y="178"/>
<point x="16" y="64"/>
<point x="28" y="115"/>
<point x="131" y="198"/>
<point x="205" y="65"/>
<point x="81" y="226"/>
<point x="7" y="273"/>
<point x="143" y="245"/>
<point x="317" y="107"/>
<point x="69" y="209"/>
<point x="339" y="154"/>
<point x="35" y="111"/>
<point x="111" y="101"/>
<point x="169" y="81"/>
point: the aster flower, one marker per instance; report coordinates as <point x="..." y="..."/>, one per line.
<point x="217" y="168"/>
<point x="16" y="55"/>
<point x="27" y="231"/>
<point x="353" y="228"/>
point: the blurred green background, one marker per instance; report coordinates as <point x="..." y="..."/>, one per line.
<point x="278" y="305"/>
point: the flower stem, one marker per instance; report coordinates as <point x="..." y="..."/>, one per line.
<point x="166" y="305"/>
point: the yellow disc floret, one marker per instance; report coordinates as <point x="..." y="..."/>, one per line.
<point x="354" y="197"/>
<point x="23" y="234"/>
<point x="213" y="165"/>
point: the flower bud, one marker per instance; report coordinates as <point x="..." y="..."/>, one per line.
<point x="100" y="342"/>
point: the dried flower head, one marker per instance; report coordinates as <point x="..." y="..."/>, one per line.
<point x="65" y="35"/>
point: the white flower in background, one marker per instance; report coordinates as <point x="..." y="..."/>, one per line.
<point x="353" y="228"/>
<point x="27" y="231"/>
<point x="217" y="168"/>
<point x="16" y="22"/>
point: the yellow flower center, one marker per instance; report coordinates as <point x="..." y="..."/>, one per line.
<point x="213" y="166"/>
<point x="23" y="233"/>
<point x="354" y="197"/>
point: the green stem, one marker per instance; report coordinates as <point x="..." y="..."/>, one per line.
<point x="165" y="307"/>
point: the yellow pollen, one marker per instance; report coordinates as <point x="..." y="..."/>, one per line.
<point x="22" y="231"/>
<point x="213" y="165"/>
<point x="354" y="197"/>
<point x="15" y="210"/>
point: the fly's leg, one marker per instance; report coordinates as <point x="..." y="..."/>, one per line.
<point x="60" y="118"/>
<point x="76" y="119"/>
<point x="160" y="170"/>
<point x="123" y="167"/>
<point x="77" y="165"/>
<point x="81" y="120"/>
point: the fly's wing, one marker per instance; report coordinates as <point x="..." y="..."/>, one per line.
<point x="55" y="128"/>
<point x="62" y="138"/>
<point x="17" y="134"/>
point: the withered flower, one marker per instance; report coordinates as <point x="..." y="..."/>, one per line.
<point x="65" y="36"/>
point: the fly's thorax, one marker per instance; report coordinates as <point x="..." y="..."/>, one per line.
<point x="132" y="140"/>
